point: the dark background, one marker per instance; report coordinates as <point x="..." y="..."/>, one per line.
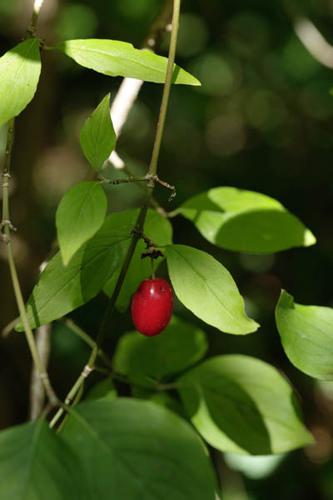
<point x="262" y="120"/>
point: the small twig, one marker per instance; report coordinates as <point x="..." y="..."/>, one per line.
<point x="9" y="327"/>
<point x="72" y="393"/>
<point x="148" y="178"/>
<point x="166" y="185"/>
<point x="87" y="340"/>
<point x="125" y="180"/>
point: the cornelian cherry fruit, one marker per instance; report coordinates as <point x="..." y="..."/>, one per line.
<point x="151" y="306"/>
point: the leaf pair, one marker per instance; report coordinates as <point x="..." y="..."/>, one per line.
<point x="200" y="282"/>
<point x="20" y="69"/>
<point x="122" y="449"/>
<point x="237" y="403"/>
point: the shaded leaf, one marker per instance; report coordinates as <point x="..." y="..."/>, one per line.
<point x="20" y="70"/>
<point x="307" y="336"/>
<point x="79" y="216"/>
<point x="245" y="221"/>
<point x="135" y="449"/>
<point x="97" y="136"/>
<point x="207" y="289"/>
<point x="115" y="58"/>
<point x="161" y="398"/>
<point x="152" y="359"/>
<point x="35" y="463"/>
<point x="103" y="389"/>
<point x="241" y="404"/>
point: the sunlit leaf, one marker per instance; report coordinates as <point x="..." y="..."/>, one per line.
<point x="241" y="404"/>
<point x="97" y="136"/>
<point x="79" y="216"/>
<point x="207" y="289"/>
<point x="307" y="336"/>
<point x="19" y="69"/>
<point x="245" y="221"/>
<point x="115" y="58"/>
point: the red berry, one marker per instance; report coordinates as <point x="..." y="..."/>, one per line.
<point x="151" y="306"/>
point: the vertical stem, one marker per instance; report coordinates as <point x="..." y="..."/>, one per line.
<point x="6" y="227"/>
<point x="166" y="91"/>
<point x="38" y="4"/>
<point x="140" y="220"/>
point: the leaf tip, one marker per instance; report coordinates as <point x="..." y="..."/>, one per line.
<point x="309" y="238"/>
<point x="285" y="300"/>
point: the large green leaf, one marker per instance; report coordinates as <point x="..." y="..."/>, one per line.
<point x="80" y="215"/>
<point x="245" y="221"/>
<point x="19" y="69"/>
<point x="207" y="289"/>
<point x="62" y="289"/>
<point x="36" y="464"/>
<point x="241" y="404"/>
<point x="307" y="336"/>
<point x="115" y="58"/>
<point x="137" y="450"/>
<point x="152" y="359"/>
<point x="159" y="230"/>
<point x="97" y="136"/>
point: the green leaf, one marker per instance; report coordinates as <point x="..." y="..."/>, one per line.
<point x="97" y="136"/>
<point x="133" y="449"/>
<point x="80" y="215"/>
<point x="241" y="404"/>
<point x="245" y="221"/>
<point x="207" y="289"/>
<point x="307" y="336"/>
<point x="62" y="289"/>
<point x="19" y="69"/>
<point x="159" y="230"/>
<point x="114" y="58"/>
<point x="103" y="389"/>
<point x="152" y="359"/>
<point x="35" y="463"/>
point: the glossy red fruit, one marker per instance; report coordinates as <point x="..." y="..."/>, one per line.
<point x="151" y="306"/>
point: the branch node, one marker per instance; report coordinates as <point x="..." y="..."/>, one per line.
<point x="87" y="371"/>
<point x="6" y="222"/>
<point x="152" y="179"/>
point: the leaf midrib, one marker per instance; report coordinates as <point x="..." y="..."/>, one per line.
<point x="209" y="288"/>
